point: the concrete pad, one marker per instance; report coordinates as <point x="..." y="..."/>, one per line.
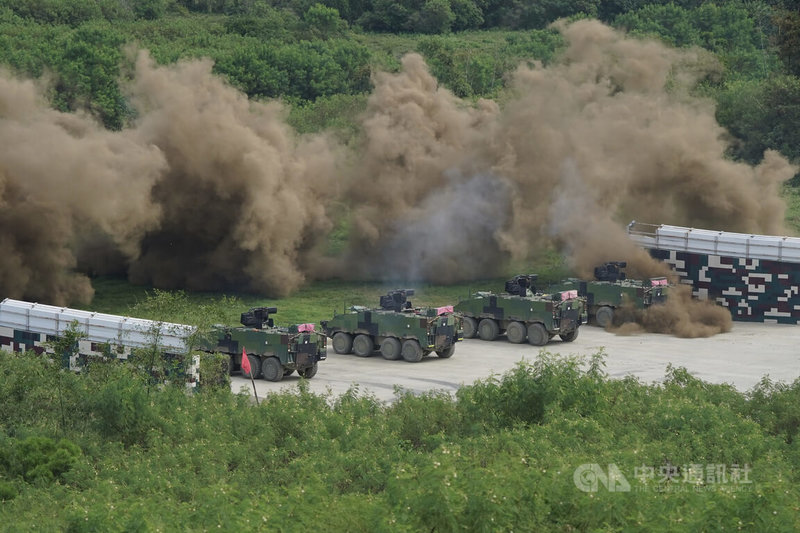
<point x="741" y="358"/>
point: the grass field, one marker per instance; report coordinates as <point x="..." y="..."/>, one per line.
<point x="315" y="302"/>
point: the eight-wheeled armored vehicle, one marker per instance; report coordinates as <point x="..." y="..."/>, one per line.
<point x="611" y="290"/>
<point x="274" y="352"/>
<point x="522" y="314"/>
<point x="396" y="329"/>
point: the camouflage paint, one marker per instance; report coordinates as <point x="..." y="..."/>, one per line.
<point x="757" y="277"/>
<point x="639" y="293"/>
<point x="434" y="331"/>
<point x="557" y="313"/>
<point x="753" y="290"/>
<point x="295" y="349"/>
<point x="15" y="340"/>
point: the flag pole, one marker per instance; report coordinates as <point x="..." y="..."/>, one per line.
<point x="246" y="368"/>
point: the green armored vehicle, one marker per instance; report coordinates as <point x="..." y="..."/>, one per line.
<point x="396" y="329"/>
<point x="274" y="352"/>
<point x="521" y="314"/>
<point x="611" y="290"/>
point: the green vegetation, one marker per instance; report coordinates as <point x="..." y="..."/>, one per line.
<point x="318" y="56"/>
<point x="108" y="451"/>
<point x="498" y="456"/>
<point x="792" y="197"/>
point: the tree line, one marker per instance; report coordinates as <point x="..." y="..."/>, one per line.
<point x="318" y="54"/>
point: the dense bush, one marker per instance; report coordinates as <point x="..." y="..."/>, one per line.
<point x="501" y="455"/>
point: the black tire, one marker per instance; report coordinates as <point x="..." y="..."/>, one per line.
<point x="308" y="372"/>
<point x="604" y="316"/>
<point x="537" y="335"/>
<point x="447" y="353"/>
<point x="470" y="327"/>
<point x="255" y="367"/>
<point x="363" y="346"/>
<point x="272" y="369"/>
<point x="412" y="351"/>
<point x="516" y="332"/>
<point x="342" y="342"/>
<point x="488" y="329"/>
<point x="391" y="348"/>
<point x="569" y="337"/>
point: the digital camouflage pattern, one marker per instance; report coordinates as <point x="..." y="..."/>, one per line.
<point x="757" y="277"/>
<point x="524" y="315"/>
<point x="396" y="329"/>
<point x="17" y="340"/>
<point x="40" y="328"/>
<point x="753" y="290"/>
<point x="27" y="326"/>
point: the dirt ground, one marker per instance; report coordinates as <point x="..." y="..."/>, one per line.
<point x="741" y="358"/>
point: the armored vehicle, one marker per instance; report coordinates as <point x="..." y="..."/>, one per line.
<point x="523" y="314"/>
<point x="397" y="329"/>
<point x="611" y="290"/>
<point x="274" y="352"/>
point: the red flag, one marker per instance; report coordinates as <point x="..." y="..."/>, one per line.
<point x="245" y="362"/>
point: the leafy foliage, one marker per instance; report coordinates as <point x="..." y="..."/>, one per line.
<point x="500" y="455"/>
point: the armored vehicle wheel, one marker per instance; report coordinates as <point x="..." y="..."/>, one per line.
<point x="288" y="372"/>
<point x="516" y="332"/>
<point x="488" y="329"/>
<point x="272" y="369"/>
<point x="390" y="348"/>
<point x="412" y="351"/>
<point x="537" y="335"/>
<point x="308" y="372"/>
<point x="342" y="342"/>
<point x="255" y="367"/>
<point x="470" y="327"/>
<point x="569" y="337"/>
<point x="604" y="316"/>
<point x="447" y="352"/>
<point x="363" y="346"/>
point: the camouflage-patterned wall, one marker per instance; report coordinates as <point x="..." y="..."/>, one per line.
<point x="754" y="290"/>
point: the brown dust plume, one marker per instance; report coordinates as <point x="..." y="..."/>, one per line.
<point x="207" y="190"/>
<point x="605" y="135"/>
<point x="679" y="315"/>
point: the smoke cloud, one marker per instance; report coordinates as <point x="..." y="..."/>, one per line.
<point x="680" y="315"/>
<point x="62" y="175"/>
<point x="588" y="144"/>
<point x="242" y="198"/>
<point x="207" y="190"/>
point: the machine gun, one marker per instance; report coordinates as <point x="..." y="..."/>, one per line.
<point x="258" y="317"/>
<point x="610" y="271"/>
<point x="396" y="300"/>
<point x="519" y="285"/>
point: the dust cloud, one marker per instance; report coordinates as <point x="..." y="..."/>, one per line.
<point x="679" y="315"/>
<point x="62" y="175"/>
<point x="243" y="197"/>
<point x="207" y="190"/>
<point x="605" y="135"/>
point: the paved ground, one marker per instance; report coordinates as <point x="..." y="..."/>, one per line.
<point x="740" y="357"/>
